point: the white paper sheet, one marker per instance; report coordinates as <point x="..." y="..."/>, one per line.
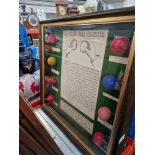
<point x="82" y="60"/>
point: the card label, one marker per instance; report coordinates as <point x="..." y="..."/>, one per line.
<point x="56" y="49"/>
<point x="55" y="71"/>
<point x="54" y="88"/>
<point x="118" y="59"/>
<point x="106" y="124"/>
<point x="111" y="97"/>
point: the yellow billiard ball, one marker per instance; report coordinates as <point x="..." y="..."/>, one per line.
<point x="51" y="61"/>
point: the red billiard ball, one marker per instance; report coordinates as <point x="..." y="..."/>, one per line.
<point x="119" y="45"/>
<point x="50" y="98"/>
<point x="98" y="138"/>
<point x="51" y="80"/>
<point x="104" y="113"/>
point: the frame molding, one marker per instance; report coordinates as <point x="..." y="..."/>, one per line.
<point x="95" y="19"/>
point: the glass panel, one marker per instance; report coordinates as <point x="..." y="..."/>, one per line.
<point x="84" y="69"/>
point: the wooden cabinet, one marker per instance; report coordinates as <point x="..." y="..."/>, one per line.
<point x="34" y="138"/>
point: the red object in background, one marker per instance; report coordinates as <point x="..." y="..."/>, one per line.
<point x="104" y="113"/>
<point x="119" y="45"/>
<point x="21" y="86"/>
<point x="52" y="38"/>
<point x="36" y="103"/>
<point x="34" y="33"/>
<point x="130" y="147"/>
<point x="98" y="138"/>
<point x="51" y="80"/>
<point x="34" y="87"/>
<point x="50" y="98"/>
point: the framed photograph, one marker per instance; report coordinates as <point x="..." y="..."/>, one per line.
<point x="85" y="65"/>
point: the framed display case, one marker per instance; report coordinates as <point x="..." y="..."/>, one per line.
<point x="85" y="65"/>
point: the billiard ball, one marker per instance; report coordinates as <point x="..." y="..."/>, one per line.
<point x="104" y="113"/>
<point x="51" y="61"/>
<point x="51" y="80"/>
<point x="109" y="82"/>
<point x="119" y="45"/>
<point x="50" y="99"/>
<point x="52" y="38"/>
<point x="98" y="138"/>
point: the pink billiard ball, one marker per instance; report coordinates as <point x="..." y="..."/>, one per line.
<point x="52" y="38"/>
<point x="98" y="138"/>
<point x="119" y="45"/>
<point x="104" y="113"/>
<point x="50" y="99"/>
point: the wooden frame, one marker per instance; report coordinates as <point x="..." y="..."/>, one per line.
<point x="122" y="92"/>
<point x="115" y="16"/>
<point x="128" y="110"/>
